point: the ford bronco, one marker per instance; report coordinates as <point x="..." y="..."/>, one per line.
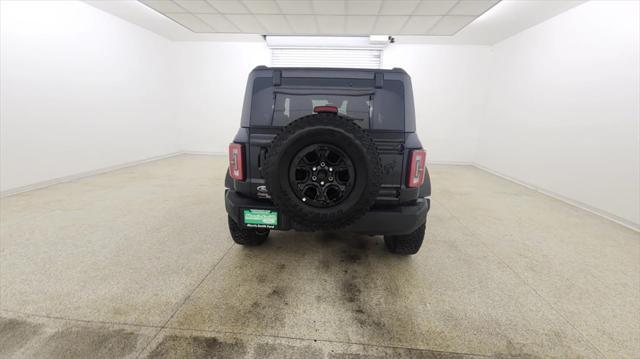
<point x="328" y="149"/>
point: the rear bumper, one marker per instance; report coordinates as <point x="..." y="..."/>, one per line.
<point x="378" y="221"/>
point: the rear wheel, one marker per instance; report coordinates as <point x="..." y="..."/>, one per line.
<point x="247" y="236"/>
<point x="406" y="243"/>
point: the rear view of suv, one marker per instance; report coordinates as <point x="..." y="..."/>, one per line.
<point x="328" y="149"/>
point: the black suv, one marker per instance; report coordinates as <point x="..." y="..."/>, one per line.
<point x="328" y="149"/>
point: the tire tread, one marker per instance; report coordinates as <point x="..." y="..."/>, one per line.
<point x="407" y="243"/>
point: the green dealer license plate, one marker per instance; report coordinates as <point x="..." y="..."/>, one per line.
<point x="260" y="218"/>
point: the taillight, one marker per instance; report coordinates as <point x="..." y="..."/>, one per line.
<point x="236" y="161"/>
<point x="416" y="169"/>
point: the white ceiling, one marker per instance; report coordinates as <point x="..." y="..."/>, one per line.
<point x="323" y="17"/>
<point x="504" y="19"/>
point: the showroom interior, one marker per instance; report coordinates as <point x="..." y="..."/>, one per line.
<point x="115" y="124"/>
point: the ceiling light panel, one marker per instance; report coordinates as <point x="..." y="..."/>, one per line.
<point x="316" y="17"/>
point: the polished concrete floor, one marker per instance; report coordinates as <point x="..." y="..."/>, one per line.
<point x="139" y="263"/>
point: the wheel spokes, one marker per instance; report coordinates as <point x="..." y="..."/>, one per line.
<point x="312" y="158"/>
<point x="321" y="175"/>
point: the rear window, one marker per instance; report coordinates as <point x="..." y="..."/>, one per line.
<point x="289" y="107"/>
<point x="373" y="108"/>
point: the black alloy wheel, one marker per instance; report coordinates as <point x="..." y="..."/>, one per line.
<point x="321" y="175"/>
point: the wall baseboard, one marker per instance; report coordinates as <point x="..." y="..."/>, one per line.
<point x="204" y="153"/>
<point x="610" y="216"/>
<point x="51" y="182"/>
<point x="449" y="163"/>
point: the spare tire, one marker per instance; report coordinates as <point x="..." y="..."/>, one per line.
<point x="323" y="171"/>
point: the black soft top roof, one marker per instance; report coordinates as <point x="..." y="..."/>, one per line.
<point x="339" y="70"/>
<point x="329" y="72"/>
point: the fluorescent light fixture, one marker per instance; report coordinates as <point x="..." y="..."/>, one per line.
<point x="326" y="41"/>
<point x="378" y="39"/>
<point x="325" y="51"/>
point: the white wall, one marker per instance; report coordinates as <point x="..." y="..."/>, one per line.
<point x="555" y="106"/>
<point x="80" y="90"/>
<point x="449" y="85"/>
<point x="211" y="78"/>
<point x="563" y="108"/>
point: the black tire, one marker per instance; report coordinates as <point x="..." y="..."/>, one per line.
<point x="247" y="236"/>
<point x="406" y="243"/>
<point x="334" y="131"/>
